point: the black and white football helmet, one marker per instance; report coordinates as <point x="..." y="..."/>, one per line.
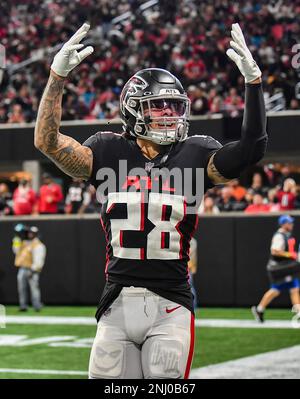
<point x="155" y="89"/>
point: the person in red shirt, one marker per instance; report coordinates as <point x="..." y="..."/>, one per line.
<point x="194" y="69"/>
<point x="24" y="199"/>
<point x="287" y="196"/>
<point x="50" y="195"/>
<point x="257" y="205"/>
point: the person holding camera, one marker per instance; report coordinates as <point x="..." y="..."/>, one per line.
<point x="30" y="254"/>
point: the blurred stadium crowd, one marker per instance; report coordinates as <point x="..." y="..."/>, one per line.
<point x="271" y="188"/>
<point x="189" y="38"/>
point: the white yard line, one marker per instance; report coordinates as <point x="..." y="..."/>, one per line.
<point x="281" y="364"/>
<point x="56" y="320"/>
<point x="237" y="323"/>
<point x="91" y="321"/>
<point x="47" y="372"/>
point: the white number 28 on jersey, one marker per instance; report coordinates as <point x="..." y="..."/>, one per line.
<point x="135" y="221"/>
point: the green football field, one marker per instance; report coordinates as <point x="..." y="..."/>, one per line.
<point x="63" y="350"/>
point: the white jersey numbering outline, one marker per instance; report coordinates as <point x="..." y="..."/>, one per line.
<point x="135" y="222"/>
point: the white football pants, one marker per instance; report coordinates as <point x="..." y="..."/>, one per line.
<point x="143" y="335"/>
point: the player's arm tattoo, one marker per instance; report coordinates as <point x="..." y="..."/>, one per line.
<point x="213" y="173"/>
<point x="70" y="156"/>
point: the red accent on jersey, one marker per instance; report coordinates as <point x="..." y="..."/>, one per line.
<point x="177" y="227"/>
<point x="148" y="182"/>
<point x="163" y="237"/>
<point x="166" y="187"/>
<point x="163" y="213"/>
<point x="132" y="181"/>
<point x="142" y="212"/>
<point x="142" y="251"/>
<point x="110" y="208"/>
<point x="145" y="183"/>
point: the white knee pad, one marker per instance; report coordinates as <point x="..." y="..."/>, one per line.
<point x="107" y="360"/>
<point x="164" y="359"/>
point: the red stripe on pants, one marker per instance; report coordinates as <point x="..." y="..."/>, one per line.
<point x="191" y="351"/>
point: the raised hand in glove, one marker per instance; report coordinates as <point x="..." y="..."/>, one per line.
<point x="240" y="54"/>
<point x="68" y="57"/>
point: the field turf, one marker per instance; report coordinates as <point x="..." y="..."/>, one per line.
<point x="213" y="345"/>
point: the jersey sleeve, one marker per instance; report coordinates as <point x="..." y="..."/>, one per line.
<point x="106" y="149"/>
<point x="205" y="147"/>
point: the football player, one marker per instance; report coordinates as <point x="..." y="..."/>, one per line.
<point x="145" y="316"/>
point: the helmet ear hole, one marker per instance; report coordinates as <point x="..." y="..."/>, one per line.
<point x="138" y="129"/>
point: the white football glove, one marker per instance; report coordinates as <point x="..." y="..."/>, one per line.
<point x="68" y="57"/>
<point x="240" y="54"/>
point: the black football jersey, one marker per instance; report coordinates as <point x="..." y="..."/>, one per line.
<point x="148" y="210"/>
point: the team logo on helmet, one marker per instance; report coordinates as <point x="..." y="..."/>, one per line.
<point x="133" y="86"/>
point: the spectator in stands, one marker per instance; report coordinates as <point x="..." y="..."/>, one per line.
<point x="194" y="69"/>
<point x="238" y="191"/>
<point x="5" y="200"/>
<point x="199" y="102"/>
<point x="24" y="198"/>
<point x="285" y="173"/>
<point x="216" y="105"/>
<point x="258" y="205"/>
<point x="294" y="104"/>
<point x="287" y="196"/>
<point x="273" y="206"/>
<point x="3" y="113"/>
<point x="234" y="103"/>
<point x="297" y="199"/>
<point x="16" y="115"/>
<point x="208" y="206"/>
<point x="50" y="195"/>
<point x="227" y="202"/>
<point x="192" y="31"/>
<point x="257" y="186"/>
<point x="78" y="197"/>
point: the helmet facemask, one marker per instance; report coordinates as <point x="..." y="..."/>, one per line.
<point x="164" y="118"/>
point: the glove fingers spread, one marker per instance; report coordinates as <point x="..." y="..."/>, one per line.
<point x="237" y="39"/>
<point x="240" y="54"/>
<point x="233" y="56"/>
<point x="68" y="57"/>
<point x="238" y="49"/>
<point x="74" y="47"/>
<point x="85" y="52"/>
<point x="80" y="34"/>
<point x="237" y="29"/>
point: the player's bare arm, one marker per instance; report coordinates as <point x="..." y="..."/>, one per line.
<point x="69" y="155"/>
<point x="284" y="254"/>
<point x="213" y="173"/>
<point x="229" y="161"/>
